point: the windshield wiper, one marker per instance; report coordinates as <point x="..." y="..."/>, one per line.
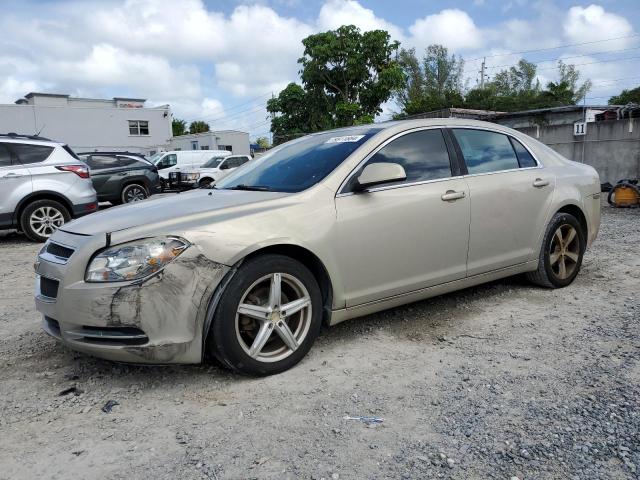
<point x="256" y="188"/>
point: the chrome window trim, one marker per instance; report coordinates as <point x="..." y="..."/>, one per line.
<point x="341" y="193"/>
<point x="393" y="187"/>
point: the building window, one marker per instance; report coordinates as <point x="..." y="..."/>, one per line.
<point x="194" y="145"/>
<point x="204" y="147"/>
<point x="228" y="148"/>
<point x="138" y="127"/>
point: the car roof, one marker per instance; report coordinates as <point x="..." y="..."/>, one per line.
<point x="112" y="153"/>
<point x="28" y="139"/>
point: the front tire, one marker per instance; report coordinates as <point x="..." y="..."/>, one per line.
<point x="268" y="317"/>
<point x="40" y="219"/>
<point x="563" y="247"/>
<point x="205" y="182"/>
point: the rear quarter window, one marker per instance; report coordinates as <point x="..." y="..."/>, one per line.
<point x="525" y="159"/>
<point x="31" y="153"/>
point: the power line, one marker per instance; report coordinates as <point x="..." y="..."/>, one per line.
<point x="599" y="61"/>
<point x="552" y="48"/>
<point x="572" y="56"/>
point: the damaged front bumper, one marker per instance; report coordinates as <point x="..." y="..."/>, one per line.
<point x="157" y="320"/>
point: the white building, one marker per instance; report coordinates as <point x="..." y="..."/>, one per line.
<point x="88" y="124"/>
<point x="231" y="140"/>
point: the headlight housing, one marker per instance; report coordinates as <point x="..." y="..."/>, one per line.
<point x="190" y="176"/>
<point x="135" y="260"/>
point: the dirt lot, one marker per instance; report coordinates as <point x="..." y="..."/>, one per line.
<point x="499" y="381"/>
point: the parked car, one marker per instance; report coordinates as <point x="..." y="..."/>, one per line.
<point x="120" y="178"/>
<point x="176" y="160"/>
<point x="210" y="172"/>
<point x="327" y="227"/>
<point x="43" y="184"/>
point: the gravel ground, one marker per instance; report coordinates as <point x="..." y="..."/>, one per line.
<point x="499" y="381"/>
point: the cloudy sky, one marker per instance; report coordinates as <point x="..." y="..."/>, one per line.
<point x="220" y="60"/>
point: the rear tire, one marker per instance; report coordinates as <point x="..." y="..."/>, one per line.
<point x="561" y="253"/>
<point x="40" y="219"/>
<point x="258" y="329"/>
<point x="134" y="192"/>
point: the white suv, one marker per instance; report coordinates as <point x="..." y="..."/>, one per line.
<point x="43" y="184"/>
<point x="210" y="172"/>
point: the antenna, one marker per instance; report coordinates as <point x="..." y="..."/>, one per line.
<point x="40" y="131"/>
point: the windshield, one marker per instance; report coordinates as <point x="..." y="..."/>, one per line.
<point x="299" y="164"/>
<point x="155" y="158"/>
<point x="213" y="163"/>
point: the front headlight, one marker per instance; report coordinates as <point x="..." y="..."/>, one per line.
<point x="135" y="260"/>
<point x="191" y="176"/>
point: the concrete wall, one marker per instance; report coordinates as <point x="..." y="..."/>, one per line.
<point x="89" y="127"/>
<point x="612" y="147"/>
<point x="238" y="141"/>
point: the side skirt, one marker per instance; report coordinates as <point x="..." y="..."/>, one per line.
<point x="343" y="314"/>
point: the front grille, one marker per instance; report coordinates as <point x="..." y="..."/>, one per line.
<point x="48" y="287"/>
<point x="59" y="250"/>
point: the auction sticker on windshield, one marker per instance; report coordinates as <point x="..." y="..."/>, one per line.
<point x="345" y="139"/>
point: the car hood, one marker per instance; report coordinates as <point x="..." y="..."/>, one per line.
<point x="176" y="207"/>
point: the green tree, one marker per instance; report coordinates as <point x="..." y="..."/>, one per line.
<point x="431" y="84"/>
<point x="515" y="88"/>
<point x="346" y="76"/>
<point x="178" y="127"/>
<point x="626" y="96"/>
<point x="518" y="88"/>
<point x="263" y="142"/>
<point x="296" y="112"/>
<point x="198" y="126"/>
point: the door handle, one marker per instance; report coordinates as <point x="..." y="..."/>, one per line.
<point x="539" y="183"/>
<point x="12" y="175"/>
<point x="451" y="195"/>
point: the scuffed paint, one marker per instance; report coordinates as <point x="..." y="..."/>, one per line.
<point x="170" y="307"/>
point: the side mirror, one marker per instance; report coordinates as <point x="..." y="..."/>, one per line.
<point x="378" y="174"/>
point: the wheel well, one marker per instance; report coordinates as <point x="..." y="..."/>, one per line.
<point x="42" y="196"/>
<point x="577" y="212"/>
<point x="205" y="178"/>
<point x="138" y="181"/>
<point x="313" y="263"/>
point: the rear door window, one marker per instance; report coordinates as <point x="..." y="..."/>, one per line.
<point x="31" y="153"/>
<point x="485" y="151"/>
<point x="5" y="156"/>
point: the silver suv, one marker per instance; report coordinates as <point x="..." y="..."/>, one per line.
<point x="43" y="184"/>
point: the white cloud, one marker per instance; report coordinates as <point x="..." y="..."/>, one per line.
<point x="592" y="23"/>
<point x="335" y="13"/>
<point x="200" y="60"/>
<point x="453" y="28"/>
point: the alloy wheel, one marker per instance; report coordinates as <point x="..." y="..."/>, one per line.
<point x="273" y="317"/>
<point x="46" y="220"/>
<point x="134" y="194"/>
<point x="564" y="252"/>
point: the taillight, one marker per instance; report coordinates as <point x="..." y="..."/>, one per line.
<point x="80" y="170"/>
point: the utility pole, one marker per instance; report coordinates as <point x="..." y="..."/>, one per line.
<point x="482" y="67"/>
<point x="271" y="126"/>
